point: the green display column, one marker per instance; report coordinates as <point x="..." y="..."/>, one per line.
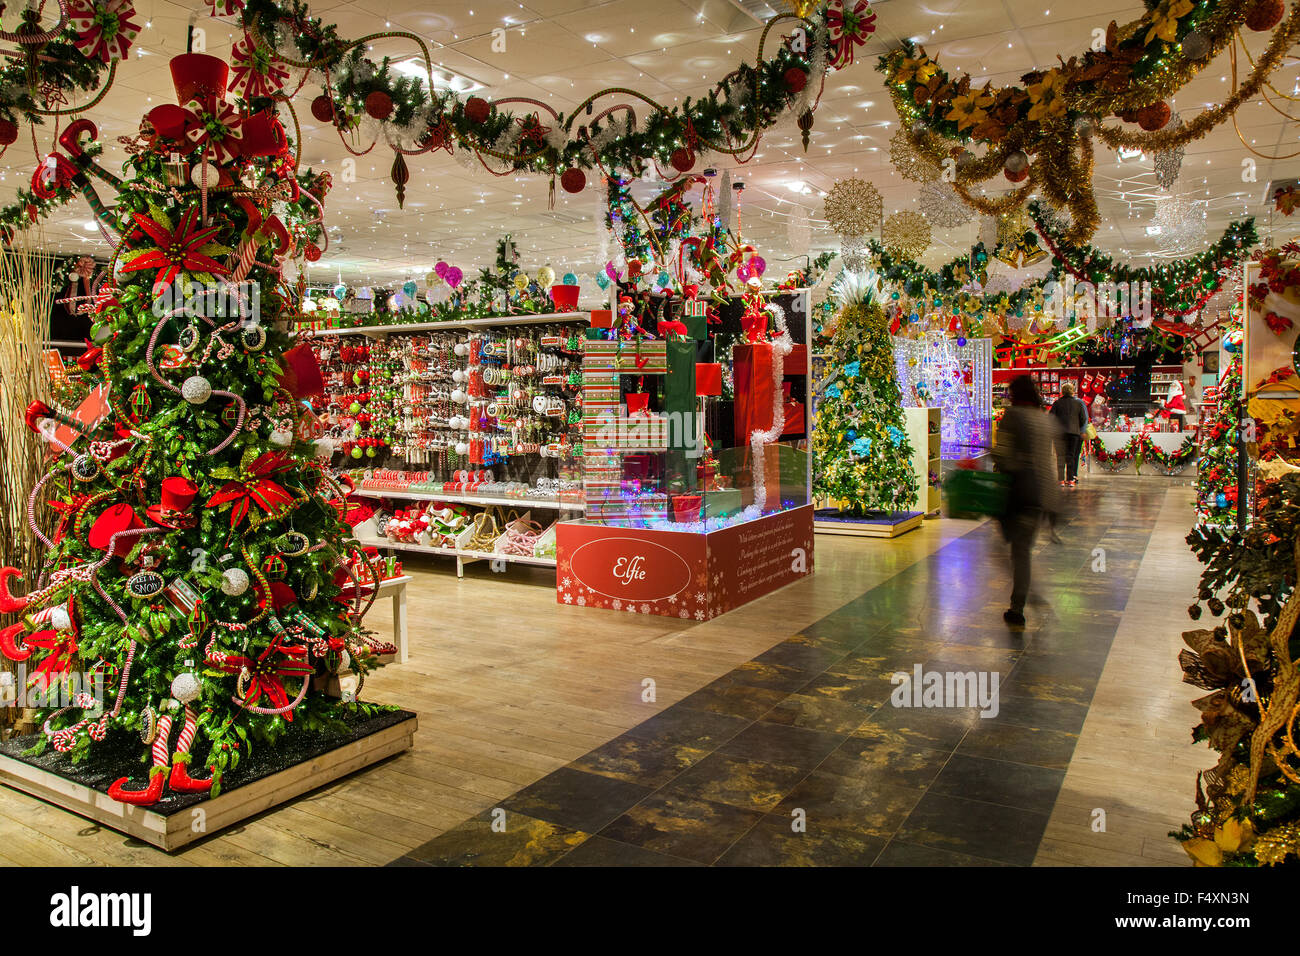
<point x="684" y="451"/>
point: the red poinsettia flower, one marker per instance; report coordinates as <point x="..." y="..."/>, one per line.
<point x="259" y="489"/>
<point x="266" y="672"/>
<point x="847" y="27"/>
<point x="254" y="72"/>
<point x="178" y="249"/>
<point x="104" y="28"/>
<point x="62" y="646"/>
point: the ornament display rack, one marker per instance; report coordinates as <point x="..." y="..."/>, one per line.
<point x="1050" y="380"/>
<point x="955" y="376"/>
<point x="372" y="488"/>
<point x="924" y="432"/>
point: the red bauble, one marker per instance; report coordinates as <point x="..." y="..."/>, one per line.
<point x="8" y="132"/>
<point x="322" y="107"/>
<point x="312" y="252"/>
<point x="795" y="79"/>
<point x="1265" y="14"/>
<point x="379" y="105"/>
<point x="477" y="109"/>
<point x="573" y="180"/>
<point x="1153" y="117"/>
<point x="682" y="159"/>
<point x="1019" y="177"/>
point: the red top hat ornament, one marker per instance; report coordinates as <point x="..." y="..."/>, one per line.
<point x="199" y="76"/>
<point x="116" y="518"/>
<point x="176" y="496"/>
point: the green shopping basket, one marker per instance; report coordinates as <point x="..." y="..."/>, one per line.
<point x="972" y="494"/>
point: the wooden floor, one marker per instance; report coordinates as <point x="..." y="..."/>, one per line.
<point x="509" y="687"/>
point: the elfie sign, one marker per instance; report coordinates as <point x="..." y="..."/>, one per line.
<point x="693" y="576"/>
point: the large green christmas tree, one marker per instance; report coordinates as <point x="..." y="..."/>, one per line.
<point x="198" y="572"/>
<point x="861" y="453"/>
<point x="1216" y="476"/>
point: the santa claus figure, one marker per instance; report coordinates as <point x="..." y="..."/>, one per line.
<point x="1175" y="405"/>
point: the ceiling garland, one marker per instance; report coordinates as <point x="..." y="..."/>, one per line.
<point x="517" y="134"/>
<point x="1041" y="135"/>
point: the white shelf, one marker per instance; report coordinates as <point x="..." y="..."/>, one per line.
<point x="544" y="318"/>
<point x="453" y="497"/>
<point x="457" y="553"/>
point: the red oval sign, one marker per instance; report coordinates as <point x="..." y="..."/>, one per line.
<point x="632" y="569"/>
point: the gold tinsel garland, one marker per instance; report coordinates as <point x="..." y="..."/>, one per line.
<point x="853" y="207"/>
<point x="1064" y="178"/>
<point x="906" y="234"/>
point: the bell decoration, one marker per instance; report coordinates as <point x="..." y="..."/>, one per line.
<point x="401" y="175"/>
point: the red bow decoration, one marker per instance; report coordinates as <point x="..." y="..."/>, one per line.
<point x="672" y="327"/>
<point x="259" y="489"/>
<point x="67" y="510"/>
<point x="267" y="673"/>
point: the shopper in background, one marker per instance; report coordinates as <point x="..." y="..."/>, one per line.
<point x="1024" y="453"/>
<point x="1072" y="417"/>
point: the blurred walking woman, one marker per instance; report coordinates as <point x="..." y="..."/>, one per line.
<point x="1024" y="451"/>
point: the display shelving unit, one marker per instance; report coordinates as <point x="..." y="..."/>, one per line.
<point x="924" y="432"/>
<point x="366" y="532"/>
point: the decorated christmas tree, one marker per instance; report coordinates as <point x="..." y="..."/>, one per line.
<point x="1216" y="478"/>
<point x="862" y="457"/>
<point x="199" y="573"/>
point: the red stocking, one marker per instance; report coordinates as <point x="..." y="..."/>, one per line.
<point x="181" y="780"/>
<point x="153" y="793"/>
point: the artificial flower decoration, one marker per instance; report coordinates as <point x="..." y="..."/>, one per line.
<point x="1286" y="199"/>
<point x="1164" y="24"/>
<point x="848" y="27"/>
<point x="104" y="29"/>
<point x="970" y="108"/>
<point x="1047" y="96"/>
<point x="182" y="249"/>
<point x="254" y="71"/>
<point x="917" y="69"/>
<point x="266" y="673"/>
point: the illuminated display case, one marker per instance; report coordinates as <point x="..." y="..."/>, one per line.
<point x="696" y="470"/>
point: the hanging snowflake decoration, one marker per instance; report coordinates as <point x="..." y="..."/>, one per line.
<point x="1181" y="223"/>
<point x="909" y="163"/>
<point x="906" y="234"/>
<point x="848" y="26"/>
<point x="853" y="207"/>
<point x="104" y="28"/>
<point x="1169" y="162"/>
<point x="941" y="205"/>
<point x="853" y="253"/>
<point x="254" y="71"/>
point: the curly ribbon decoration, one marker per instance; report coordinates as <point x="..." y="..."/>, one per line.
<point x="242" y="413"/>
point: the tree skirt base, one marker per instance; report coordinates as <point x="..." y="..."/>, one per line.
<point x="882" y="524"/>
<point x="270" y="776"/>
